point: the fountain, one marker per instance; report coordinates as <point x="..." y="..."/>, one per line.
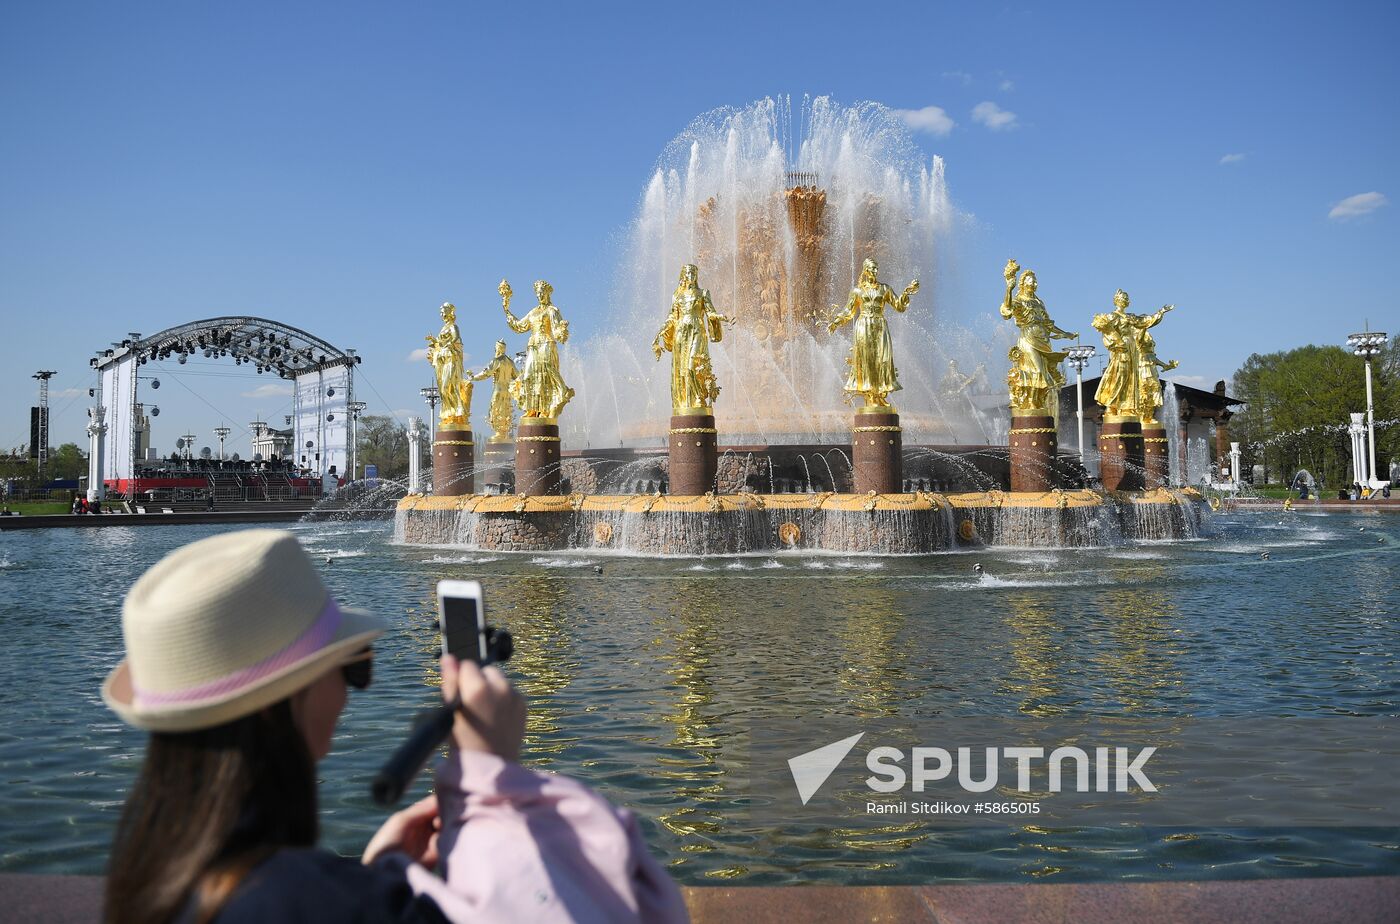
<point x="769" y="228"/>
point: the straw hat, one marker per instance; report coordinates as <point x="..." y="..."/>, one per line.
<point x="223" y="627"/>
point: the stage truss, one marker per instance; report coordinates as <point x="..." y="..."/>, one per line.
<point x="322" y="378"/>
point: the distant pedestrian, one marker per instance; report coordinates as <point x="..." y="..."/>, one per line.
<point x="1385" y="491"/>
<point x="77" y="506"/>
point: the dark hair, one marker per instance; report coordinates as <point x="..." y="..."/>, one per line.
<point x="209" y="806"/>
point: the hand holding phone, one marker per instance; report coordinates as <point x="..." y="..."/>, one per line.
<point x="491" y="717"/>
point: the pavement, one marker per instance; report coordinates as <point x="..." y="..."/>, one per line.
<point x="1354" y="899"/>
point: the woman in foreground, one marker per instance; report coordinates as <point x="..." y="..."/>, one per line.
<point x="237" y="663"/>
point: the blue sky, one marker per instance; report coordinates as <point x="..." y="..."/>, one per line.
<point x="347" y="167"/>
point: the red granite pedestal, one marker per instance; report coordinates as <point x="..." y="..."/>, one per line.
<point x="498" y="460"/>
<point x="694" y="454"/>
<point x="1033" y="444"/>
<point x="453" y="463"/>
<point x="537" y="457"/>
<point x="1155" y="461"/>
<point x="1120" y="455"/>
<point x="876" y="444"/>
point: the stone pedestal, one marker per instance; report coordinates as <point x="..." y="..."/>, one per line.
<point x="694" y="457"/>
<point x="537" y="457"/>
<point x="1120" y="454"/>
<point x="876" y="442"/>
<point x="498" y="473"/>
<point x="1033" y="444"/>
<point x="1156" y="462"/>
<point x="452" y="463"/>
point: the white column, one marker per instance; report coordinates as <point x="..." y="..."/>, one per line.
<point x="97" y="438"/>
<point x="1357" y="432"/>
<point x="1235" y="474"/>
<point x="415" y="455"/>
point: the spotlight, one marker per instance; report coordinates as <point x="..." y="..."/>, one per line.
<point x="183" y="358"/>
<point x="155" y="383"/>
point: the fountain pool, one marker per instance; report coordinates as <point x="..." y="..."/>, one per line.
<point x="645" y="679"/>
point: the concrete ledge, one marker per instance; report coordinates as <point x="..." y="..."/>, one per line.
<point x="78" y="521"/>
<point x="1356" y="899"/>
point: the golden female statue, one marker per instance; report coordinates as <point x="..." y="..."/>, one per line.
<point x="454" y="389"/>
<point x="1120" y="388"/>
<point x="688" y="332"/>
<point x="873" y="375"/>
<point x="539" y="389"/>
<point x="502" y="373"/>
<point x="1149" y="383"/>
<point x="1035" y="377"/>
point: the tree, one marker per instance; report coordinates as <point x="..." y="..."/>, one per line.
<point x="383" y="442"/>
<point x="67" y="462"/>
<point x="1299" y="405"/>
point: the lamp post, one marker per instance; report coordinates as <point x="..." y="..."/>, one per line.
<point x="356" y="408"/>
<point x="222" y="434"/>
<point x="1366" y="345"/>
<point x="1079" y="357"/>
<point x="431" y="395"/>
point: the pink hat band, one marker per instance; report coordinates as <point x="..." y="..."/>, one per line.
<point x="316" y="637"/>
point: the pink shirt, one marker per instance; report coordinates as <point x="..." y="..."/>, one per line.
<point x="522" y="845"/>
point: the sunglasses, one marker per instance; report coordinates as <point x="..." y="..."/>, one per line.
<point x="359" y="670"/>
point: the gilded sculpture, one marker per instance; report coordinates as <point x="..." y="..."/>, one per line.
<point x="454" y="388"/>
<point x="539" y="389"/>
<point x="502" y="373"/>
<point x="687" y="334"/>
<point x="873" y="375"/>
<point x="1120" y="390"/>
<point x="1149" y="382"/>
<point x="1035" y="377"/>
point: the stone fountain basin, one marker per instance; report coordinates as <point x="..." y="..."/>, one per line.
<point x="728" y="524"/>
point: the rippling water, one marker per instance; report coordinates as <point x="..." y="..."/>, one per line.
<point x="643" y="680"/>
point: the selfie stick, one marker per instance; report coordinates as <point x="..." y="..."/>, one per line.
<point x="398" y="772"/>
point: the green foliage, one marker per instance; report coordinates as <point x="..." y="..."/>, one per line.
<point x="383" y="442"/>
<point x="1299" y="405"/>
<point x="67" y="461"/>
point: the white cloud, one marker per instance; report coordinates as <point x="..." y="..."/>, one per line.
<point x="1194" y="381"/>
<point x="270" y="390"/>
<point x="1357" y="205"/>
<point x="993" y="116"/>
<point x="67" y="393"/>
<point x="1231" y="159"/>
<point x="962" y="77"/>
<point x="1007" y="86"/>
<point x="418" y="355"/>
<point x="931" y="119"/>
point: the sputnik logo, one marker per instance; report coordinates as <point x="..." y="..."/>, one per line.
<point x="811" y="770"/>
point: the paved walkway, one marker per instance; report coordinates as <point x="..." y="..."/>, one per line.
<point x="1358" y="900"/>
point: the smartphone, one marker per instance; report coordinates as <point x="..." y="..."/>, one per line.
<point x="462" y="618"/>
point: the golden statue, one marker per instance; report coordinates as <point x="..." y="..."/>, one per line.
<point x="539" y="389"/>
<point x="873" y="375"/>
<point x="502" y="373"/>
<point x="1120" y="388"/>
<point x="454" y="388"/>
<point x="688" y="332"/>
<point x="1035" y="377"/>
<point x="1149" y="384"/>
